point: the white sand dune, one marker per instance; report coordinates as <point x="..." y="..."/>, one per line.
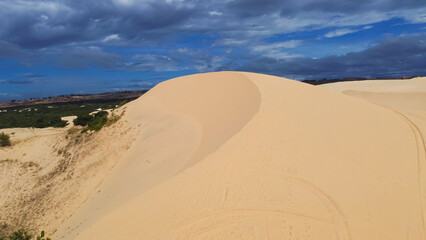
<point x="179" y="131"/>
<point x="230" y="155"/>
<point x="235" y="155"/>
<point x="406" y="98"/>
<point x="397" y="94"/>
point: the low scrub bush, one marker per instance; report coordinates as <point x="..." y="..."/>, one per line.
<point x="122" y="103"/>
<point x="94" y="123"/>
<point x="42" y="236"/>
<point x="4" y="140"/>
<point x="113" y="119"/>
<point x="98" y="121"/>
<point x="50" y="122"/>
<point x="82" y="120"/>
<point x="23" y="235"/>
<point x="18" y="235"/>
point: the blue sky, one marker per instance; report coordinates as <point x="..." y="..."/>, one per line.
<point x="50" y="48"/>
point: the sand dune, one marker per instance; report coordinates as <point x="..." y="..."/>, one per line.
<point x="179" y="131"/>
<point x="397" y="94"/>
<point x="230" y="155"/>
<point x="234" y="155"/>
<point x="406" y="98"/>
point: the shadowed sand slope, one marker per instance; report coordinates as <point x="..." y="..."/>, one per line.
<point x="248" y="156"/>
<point x="183" y="121"/>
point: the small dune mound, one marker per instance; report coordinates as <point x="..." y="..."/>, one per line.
<point x="397" y="94"/>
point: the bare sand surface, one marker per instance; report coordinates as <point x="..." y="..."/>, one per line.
<point x="231" y="155"/>
<point x="304" y="163"/>
<point x="397" y="94"/>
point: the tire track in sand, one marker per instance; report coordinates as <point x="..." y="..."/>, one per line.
<point x="420" y="144"/>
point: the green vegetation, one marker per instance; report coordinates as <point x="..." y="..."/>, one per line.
<point x="82" y="120"/>
<point x="113" y="119"/>
<point x="42" y="236"/>
<point x="98" y="121"/>
<point x="94" y="123"/>
<point x="4" y="140"/>
<point x="19" y="235"/>
<point x="122" y="103"/>
<point x="23" y="235"/>
<point x="41" y="116"/>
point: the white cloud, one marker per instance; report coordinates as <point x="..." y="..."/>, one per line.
<point x="215" y="13"/>
<point x="9" y="95"/>
<point x="151" y="62"/>
<point x="277" y="50"/>
<point x="345" y="31"/>
<point x="282" y="55"/>
<point x="277" y="46"/>
<point x="417" y="18"/>
<point x="340" y="32"/>
<point x="112" y="37"/>
<point x="232" y="42"/>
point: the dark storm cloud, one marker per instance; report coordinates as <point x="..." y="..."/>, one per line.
<point x="79" y="58"/>
<point x="77" y="34"/>
<point x="19" y="82"/>
<point x="37" y="24"/>
<point x="8" y="50"/>
<point x="25" y="78"/>
<point x="250" y="8"/>
<point x="389" y="58"/>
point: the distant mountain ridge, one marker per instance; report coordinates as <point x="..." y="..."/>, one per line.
<point x="74" y="98"/>
<point x="324" y="81"/>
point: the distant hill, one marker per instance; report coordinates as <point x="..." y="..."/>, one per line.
<point x="324" y="81"/>
<point x="74" y="98"/>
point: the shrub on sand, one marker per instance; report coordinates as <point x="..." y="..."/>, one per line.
<point x="4" y="140"/>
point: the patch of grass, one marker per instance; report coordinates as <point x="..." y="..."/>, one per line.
<point x="23" y="235"/>
<point x="18" y="235"/>
<point x="4" y="140"/>
<point x="42" y="236"/>
<point x="72" y="131"/>
<point x="113" y="119"/>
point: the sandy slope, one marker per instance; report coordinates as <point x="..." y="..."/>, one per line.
<point x="406" y="98"/>
<point x="246" y="156"/>
<point x="179" y="131"/>
<point x="48" y="173"/>
<point x="397" y="94"/>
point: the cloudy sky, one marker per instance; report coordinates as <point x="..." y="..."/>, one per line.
<point x="89" y="46"/>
